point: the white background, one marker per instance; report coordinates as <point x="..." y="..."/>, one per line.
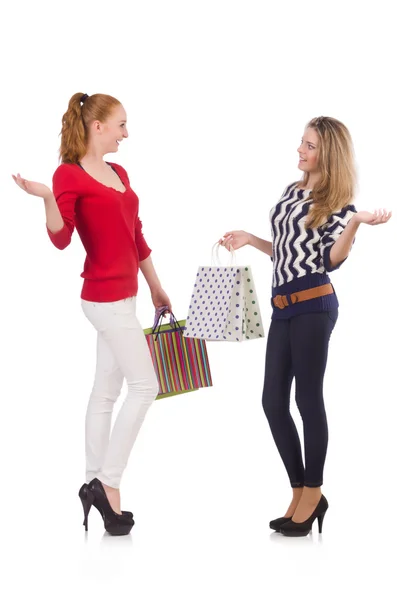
<point x="217" y="96"/>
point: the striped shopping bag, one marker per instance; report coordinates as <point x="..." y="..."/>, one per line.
<point x="181" y="364"/>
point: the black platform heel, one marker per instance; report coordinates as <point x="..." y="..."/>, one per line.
<point x="114" y="523"/>
<point x="277" y="523"/>
<point x="87" y="500"/>
<point x="293" y="529"/>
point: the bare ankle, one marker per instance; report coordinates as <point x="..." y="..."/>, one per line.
<point x="109" y="488"/>
<point x="297" y="493"/>
<point x="296" y="496"/>
<point x="311" y="494"/>
<point x="113" y="496"/>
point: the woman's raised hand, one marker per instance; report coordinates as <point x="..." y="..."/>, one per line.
<point x="376" y="218"/>
<point x="32" y="187"/>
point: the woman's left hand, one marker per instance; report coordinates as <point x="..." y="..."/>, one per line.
<point x="160" y="298"/>
<point x="375" y="218"/>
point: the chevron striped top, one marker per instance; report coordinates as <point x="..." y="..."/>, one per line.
<point x="301" y="257"/>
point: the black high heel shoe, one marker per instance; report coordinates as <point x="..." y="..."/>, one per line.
<point x="277" y="523"/>
<point x="85" y="495"/>
<point x="293" y="529"/>
<point x="115" y="524"/>
<point x="93" y="494"/>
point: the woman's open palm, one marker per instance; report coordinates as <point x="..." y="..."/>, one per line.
<point x="375" y="218"/>
<point x="32" y="187"/>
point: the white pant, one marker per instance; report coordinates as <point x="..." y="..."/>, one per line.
<point x="122" y="352"/>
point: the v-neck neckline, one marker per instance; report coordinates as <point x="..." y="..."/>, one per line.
<point x="108" y="187"/>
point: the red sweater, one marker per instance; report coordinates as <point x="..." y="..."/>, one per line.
<point x="109" y="227"/>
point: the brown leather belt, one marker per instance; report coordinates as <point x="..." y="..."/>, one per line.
<point x="316" y="292"/>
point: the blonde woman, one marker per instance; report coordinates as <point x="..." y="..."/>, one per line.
<point x="313" y="227"/>
<point x="95" y="197"/>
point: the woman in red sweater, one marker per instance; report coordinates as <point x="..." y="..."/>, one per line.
<point x="95" y="197"/>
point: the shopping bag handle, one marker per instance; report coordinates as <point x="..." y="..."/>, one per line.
<point x="160" y="312"/>
<point x="158" y="319"/>
<point x="215" y="256"/>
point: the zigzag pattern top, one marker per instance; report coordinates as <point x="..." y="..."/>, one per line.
<point x="297" y="251"/>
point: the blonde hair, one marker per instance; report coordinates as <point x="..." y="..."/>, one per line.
<point x="336" y="185"/>
<point x="82" y="111"/>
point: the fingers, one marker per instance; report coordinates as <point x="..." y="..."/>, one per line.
<point x="21" y="182"/>
<point x="227" y="238"/>
<point x="381" y="216"/>
<point x="229" y="244"/>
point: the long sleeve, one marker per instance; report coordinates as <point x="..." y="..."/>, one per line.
<point x="64" y="189"/>
<point x="331" y="232"/>
<point x="143" y="249"/>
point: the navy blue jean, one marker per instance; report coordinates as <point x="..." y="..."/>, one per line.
<point x="298" y="348"/>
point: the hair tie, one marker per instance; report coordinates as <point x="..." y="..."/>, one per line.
<point x="84" y="98"/>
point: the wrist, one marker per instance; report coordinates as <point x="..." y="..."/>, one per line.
<point x="250" y="239"/>
<point x="155" y="287"/>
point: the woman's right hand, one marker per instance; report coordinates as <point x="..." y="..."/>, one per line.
<point x="236" y="239"/>
<point x="32" y="187"/>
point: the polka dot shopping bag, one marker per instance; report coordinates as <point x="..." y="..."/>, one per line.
<point x="224" y="305"/>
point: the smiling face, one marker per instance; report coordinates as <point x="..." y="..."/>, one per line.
<point x="309" y="151"/>
<point x="108" y="135"/>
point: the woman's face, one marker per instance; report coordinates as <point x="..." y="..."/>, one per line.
<point x="309" y="151"/>
<point x="113" y="130"/>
